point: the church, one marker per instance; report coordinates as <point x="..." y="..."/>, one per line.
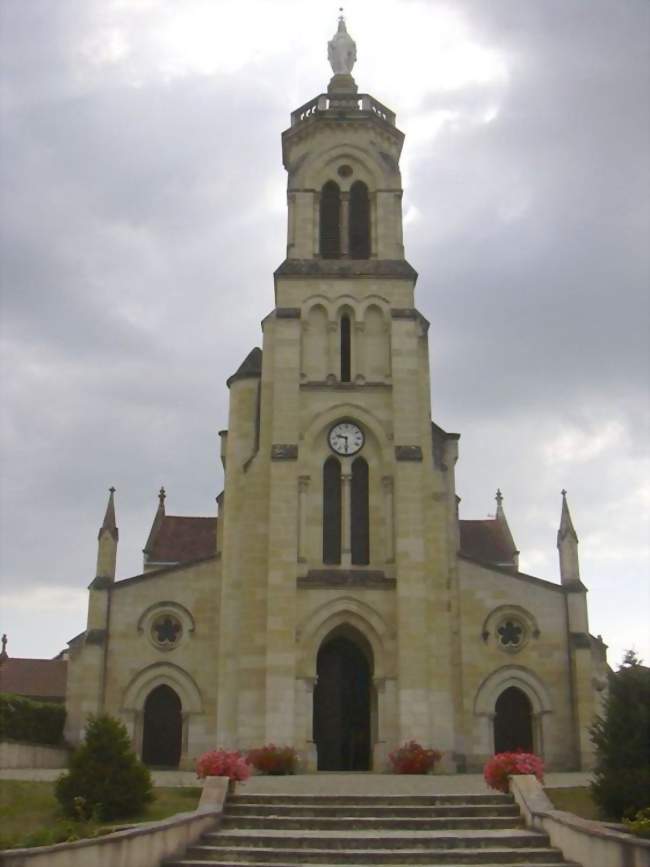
<point x="337" y="603"/>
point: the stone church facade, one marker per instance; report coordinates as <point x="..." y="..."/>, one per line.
<point x="337" y="603"/>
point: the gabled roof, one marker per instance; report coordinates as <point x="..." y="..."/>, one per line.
<point x="487" y="540"/>
<point x="180" y="539"/>
<point x="34" y="678"/>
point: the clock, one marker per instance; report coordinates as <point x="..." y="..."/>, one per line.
<point x="346" y="438"/>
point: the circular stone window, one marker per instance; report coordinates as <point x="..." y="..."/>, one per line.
<point x="166" y="631"/>
<point x="511" y="634"/>
<point x="344" y="171"/>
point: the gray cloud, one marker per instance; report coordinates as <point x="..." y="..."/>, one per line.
<point x="143" y="215"/>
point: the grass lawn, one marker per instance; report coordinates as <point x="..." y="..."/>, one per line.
<point x="29" y="813"/>
<point x="576" y="800"/>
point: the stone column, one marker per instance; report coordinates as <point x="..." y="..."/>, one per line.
<point x="358" y="360"/>
<point x="346" y="515"/>
<point x="344" y="224"/>
<point x="389" y="520"/>
<point x="303" y="492"/>
<point x="334" y="354"/>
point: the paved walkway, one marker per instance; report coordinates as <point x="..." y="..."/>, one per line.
<point x="332" y="783"/>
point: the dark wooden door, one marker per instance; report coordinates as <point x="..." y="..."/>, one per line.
<point x="163" y="728"/>
<point x="342" y="707"/>
<point x="513" y="725"/>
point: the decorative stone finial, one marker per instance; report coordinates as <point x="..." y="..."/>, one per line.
<point x="499" y="497"/>
<point x="341" y="49"/>
<point x="4" y="653"/>
<point x="566" y="524"/>
<point x="161" y="496"/>
<point x="108" y="523"/>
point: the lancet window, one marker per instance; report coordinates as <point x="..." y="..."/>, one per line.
<point x="345" y="221"/>
<point x="357" y="507"/>
<point x="330" y="221"/>
<point x="359" y="223"/>
<point x="359" y="514"/>
<point x="332" y="511"/>
<point x="346" y="348"/>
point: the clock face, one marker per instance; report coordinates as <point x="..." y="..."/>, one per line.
<point x="346" y="438"/>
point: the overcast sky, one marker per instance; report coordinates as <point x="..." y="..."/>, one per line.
<point x="143" y="213"/>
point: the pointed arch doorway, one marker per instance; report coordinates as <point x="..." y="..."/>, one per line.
<point x="342" y="702"/>
<point x="513" y="723"/>
<point x="162" y="732"/>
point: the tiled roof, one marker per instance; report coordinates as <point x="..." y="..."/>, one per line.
<point x="35" y="678"/>
<point x="181" y="539"/>
<point x="486" y="540"/>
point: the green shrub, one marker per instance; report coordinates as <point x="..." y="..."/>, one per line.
<point x="37" y="722"/>
<point x="106" y="779"/>
<point x="640" y="824"/>
<point x="621" y="784"/>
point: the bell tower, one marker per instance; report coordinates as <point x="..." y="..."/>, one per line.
<point x="342" y="154"/>
<point x="339" y="493"/>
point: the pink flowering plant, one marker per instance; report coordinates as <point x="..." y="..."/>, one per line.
<point x="504" y="765"/>
<point x="412" y="758"/>
<point x="223" y="763"/>
<point x="274" y="760"/>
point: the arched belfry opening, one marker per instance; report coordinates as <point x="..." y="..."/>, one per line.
<point x="342" y="701"/>
<point x="162" y="732"/>
<point x="330" y="221"/>
<point x="359" y="221"/>
<point x="513" y="722"/>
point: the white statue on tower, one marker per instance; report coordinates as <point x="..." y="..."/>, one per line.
<point x="341" y="50"/>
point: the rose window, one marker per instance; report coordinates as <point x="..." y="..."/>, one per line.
<point x="511" y="634"/>
<point x="166" y="630"/>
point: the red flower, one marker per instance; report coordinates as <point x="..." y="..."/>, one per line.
<point x="223" y="763"/>
<point x="411" y="758"/>
<point x="503" y="765"/>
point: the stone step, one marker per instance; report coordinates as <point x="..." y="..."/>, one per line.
<point x="300" y="863"/>
<point x="406" y="857"/>
<point x="372" y="800"/>
<point x="261" y="808"/>
<point x="364" y="823"/>
<point x="369" y="839"/>
<point x="281" y="830"/>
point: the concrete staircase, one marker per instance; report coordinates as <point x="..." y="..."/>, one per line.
<point x="275" y="830"/>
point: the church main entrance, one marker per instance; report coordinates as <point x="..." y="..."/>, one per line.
<point x="342" y="706"/>
<point x="163" y="728"/>
<point x="513" y="726"/>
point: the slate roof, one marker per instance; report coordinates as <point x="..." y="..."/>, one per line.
<point x="34" y="678"/>
<point x="180" y="539"/>
<point x="486" y="540"/>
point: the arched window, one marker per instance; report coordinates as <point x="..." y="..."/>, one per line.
<point x="330" y="221"/>
<point x="360" y="516"/>
<point x="359" y="221"/>
<point x="346" y="349"/>
<point x="513" y="725"/>
<point x="332" y="511"/>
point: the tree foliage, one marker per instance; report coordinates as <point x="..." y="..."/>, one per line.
<point x="106" y="779"/>
<point x="621" y="785"/>
<point x="36" y="722"/>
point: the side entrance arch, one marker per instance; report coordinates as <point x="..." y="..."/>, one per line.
<point x="342" y="702"/>
<point x="513" y="722"/>
<point x="162" y="733"/>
